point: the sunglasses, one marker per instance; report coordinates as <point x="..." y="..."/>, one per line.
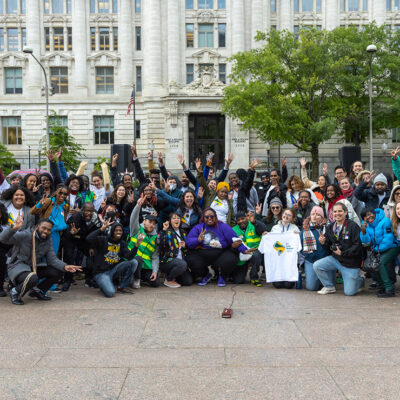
<point x="275" y="208"/>
<point x="209" y="216"/>
<point x="64" y="193"/>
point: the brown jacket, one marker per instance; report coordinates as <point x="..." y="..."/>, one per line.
<point x="46" y="210"/>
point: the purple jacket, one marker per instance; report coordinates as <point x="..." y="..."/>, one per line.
<point x="222" y="233"/>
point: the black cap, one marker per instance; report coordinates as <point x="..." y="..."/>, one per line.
<point x="265" y="174"/>
<point x="151" y="217"/>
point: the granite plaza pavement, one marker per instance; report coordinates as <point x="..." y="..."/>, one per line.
<point x="172" y="344"/>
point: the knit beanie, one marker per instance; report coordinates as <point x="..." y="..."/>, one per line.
<point x="318" y="210"/>
<point x="381" y="178"/>
<point x="276" y="200"/>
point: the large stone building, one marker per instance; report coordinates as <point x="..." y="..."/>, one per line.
<point x="174" y="51"/>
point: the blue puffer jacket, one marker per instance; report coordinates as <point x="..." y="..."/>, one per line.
<point x="380" y="233"/>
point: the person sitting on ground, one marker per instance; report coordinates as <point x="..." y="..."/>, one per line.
<point x="250" y="235"/>
<point x="143" y="239"/>
<point x="274" y="214"/>
<point x="211" y="242"/>
<point x="377" y="233"/>
<point x="24" y="266"/>
<point x="342" y="239"/>
<point x="172" y="247"/>
<point x="3" y="249"/>
<point x="313" y="251"/>
<point x="376" y="196"/>
<point x="112" y="259"/>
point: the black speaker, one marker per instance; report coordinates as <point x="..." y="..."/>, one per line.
<point x="124" y="161"/>
<point x="349" y="154"/>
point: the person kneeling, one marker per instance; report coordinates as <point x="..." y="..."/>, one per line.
<point x="343" y="239"/>
<point x="109" y="252"/>
<point x="24" y="271"/>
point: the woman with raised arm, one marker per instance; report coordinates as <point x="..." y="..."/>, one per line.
<point x="319" y="187"/>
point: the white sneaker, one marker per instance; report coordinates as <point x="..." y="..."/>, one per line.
<point x="327" y="290"/>
<point x="136" y="284"/>
<point x="172" y="284"/>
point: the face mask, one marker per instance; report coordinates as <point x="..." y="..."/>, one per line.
<point x="172" y="187"/>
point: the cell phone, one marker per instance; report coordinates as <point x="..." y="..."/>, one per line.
<point x="227" y="313"/>
<point x="209" y="157"/>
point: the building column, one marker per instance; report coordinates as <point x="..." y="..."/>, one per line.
<point x="257" y="21"/>
<point x="125" y="44"/>
<point x="174" y="70"/>
<point x="238" y="18"/>
<point x="33" y="27"/>
<point x="79" y="46"/>
<point x="186" y="137"/>
<point x="285" y="12"/>
<point x="152" y="37"/>
<point x="379" y="12"/>
<point x="332" y="14"/>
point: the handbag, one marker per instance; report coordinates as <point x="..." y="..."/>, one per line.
<point x="372" y="262"/>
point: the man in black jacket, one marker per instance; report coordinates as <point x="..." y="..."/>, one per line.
<point x="277" y="189"/>
<point x="343" y="239"/>
<point x="376" y="196"/>
<point x="112" y="259"/>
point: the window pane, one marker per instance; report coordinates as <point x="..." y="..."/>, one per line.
<point x="104" y="36"/>
<point x="138" y="79"/>
<point x="189" y="4"/>
<point x="189" y="73"/>
<point x="206" y="35"/>
<point x="273" y="6"/>
<point x="205" y="4"/>
<point x="307" y="5"/>
<point x="23" y="32"/>
<point x="318" y="5"/>
<point x="138" y="38"/>
<point x="296" y="31"/>
<point x="137" y="129"/>
<point x="189" y="35"/>
<point x="296" y="5"/>
<point x="1" y="8"/>
<point x="396" y="5"/>
<point x="115" y="34"/>
<point x="342" y="5"/>
<point x="57" y="6"/>
<point x="59" y="79"/>
<point x="12" y="130"/>
<point x="222" y="73"/>
<point x="104" y="6"/>
<point x="353" y="5"/>
<point x="12" y="6"/>
<point x="221" y="35"/>
<point x="69" y="39"/>
<point x="23" y="6"/>
<point x="221" y="4"/>
<point x="93" y="38"/>
<point x="13" y="80"/>
<point x="104" y="80"/>
<point x="92" y="7"/>
<point x="47" y="6"/>
<point x="58" y="36"/>
<point x="68" y="6"/>
<point x="115" y="6"/>
<point x="365" y="5"/>
<point x="104" y="130"/>
<point x="388" y="5"/>
<point x="12" y="39"/>
<point x="47" y="38"/>
<point x="138" y="6"/>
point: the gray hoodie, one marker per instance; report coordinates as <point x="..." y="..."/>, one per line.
<point x="389" y="207"/>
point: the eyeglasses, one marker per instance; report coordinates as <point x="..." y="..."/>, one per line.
<point x="64" y="193"/>
<point x="275" y="208"/>
<point x="209" y="216"/>
<point x="397" y="194"/>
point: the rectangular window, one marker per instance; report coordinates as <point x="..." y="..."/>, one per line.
<point x="296" y="5"/>
<point x="23" y="6"/>
<point x="365" y="5"/>
<point x="23" y="32"/>
<point x="342" y="5"/>
<point x="138" y="79"/>
<point x="206" y="35"/>
<point x="138" y="6"/>
<point x="222" y="73"/>
<point x="69" y="39"/>
<point x="307" y="5"/>
<point x="11" y="130"/>
<point x="57" y="120"/>
<point x="221" y="35"/>
<point x="12" y="34"/>
<point x="13" y="77"/>
<point x="1" y="39"/>
<point x="273" y="6"/>
<point x="57" y="6"/>
<point x="103" y="130"/>
<point x="137" y="129"/>
<point x="353" y="5"/>
<point x="104" y="38"/>
<point x="12" y="7"/>
<point x="396" y="135"/>
<point x="47" y="6"/>
<point x="189" y="35"/>
<point x="138" y="38"/>
<point x="388" y="5"/>
<point x="104" y="80"/>
<point x="1" y="8"/>
<point x="115" y="34"/>
<point x="92" y="7"/>
<point x="104" y="6"/>
<point x="396" y="27"/>
<point x="222" y="4"/>
<point x="189" y="73"/>
<point x="396" y="5"/>
<point x="189" y="4"/>
<point x="319" y="5"/>
<point x="115" y="6"/>
<point x="93" y="38"/>
<point x="58" y="37"/>
<point x="47" y="38"/>
<point x="59" y="79"/>
<point x="319" y="27"/>
<point x="205" y="4"/>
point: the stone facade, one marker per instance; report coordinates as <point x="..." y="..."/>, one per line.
<point x="166" y="101"/>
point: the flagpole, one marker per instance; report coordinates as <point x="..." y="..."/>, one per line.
<point x="134" y="114"/>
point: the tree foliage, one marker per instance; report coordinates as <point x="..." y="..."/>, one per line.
<point x="7" y="161"/>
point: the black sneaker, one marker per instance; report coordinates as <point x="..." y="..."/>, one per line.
<point x="16" y="298"/>
<point x="373" y="286"/>
<point x="66" y="286"/>
<point x="39" y="294"/>
<point x="386" y="294"/>
<point x="2" y="292"/>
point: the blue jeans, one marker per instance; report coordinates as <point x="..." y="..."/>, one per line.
<point x="105" y="279"/>
<point x="312" y="281"/>
<point x="326" y="271"/>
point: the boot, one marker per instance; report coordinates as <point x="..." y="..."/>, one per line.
<point x="387" y="293"/>
<point x="16" y="298"/>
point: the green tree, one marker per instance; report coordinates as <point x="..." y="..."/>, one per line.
<point x="100" y="161"/>
<point x="283" y="90"/>
<point x="7" y="161"/>
<point x="353" y="79"/>
<point x="60" y="137"/>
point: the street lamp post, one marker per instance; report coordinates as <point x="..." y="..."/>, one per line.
<point x="371" y="50"/>
<point x="29" y="50"/>
<point x="268" y="148"/>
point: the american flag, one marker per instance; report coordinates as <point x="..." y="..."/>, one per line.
<point x="131" y="102"/>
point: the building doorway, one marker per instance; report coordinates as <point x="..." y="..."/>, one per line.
<point x="207" y="134"/>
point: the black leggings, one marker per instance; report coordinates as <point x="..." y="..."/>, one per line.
<point x="283" y="285"/>
<point x="176" y="269"/>
<point x="223" y="260"/>
<point x="51" y="276"/>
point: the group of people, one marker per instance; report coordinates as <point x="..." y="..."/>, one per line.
<point x="121" y="232"/>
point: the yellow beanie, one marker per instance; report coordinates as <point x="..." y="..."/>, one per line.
<point x="221" y="185"/>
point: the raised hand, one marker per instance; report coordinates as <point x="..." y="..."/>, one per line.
<point x="180" y="159"/>
<point x="160" y="158"/>
<point x="133" y="151"/>
<point x="165" y="225"/>
<point x="228" y="160"/>
<point x="197" y="163"/>
<point x="150" y="155"/>
<point x="139" y="239"/>
<point x="364" y="227"/>
<point x="131" y="197"/>
<point x="19" y="221"/>
<point x="252" y="217"/>
<point x="43" y="200"/>
<point x="140" y="201"/>
<point x="50" y="155"/>
<point x="74" y="230"/>
<point x="283" y="162"/>
<point x="166" y="186"/>
<point x="201" y="236"/>
<point x="325" y="169"/>
<point x="58" y="154"/>
<point x="36" y="188"/>
<point x="107" y="223"/>
<point x="303" y="162"/>
<point x="72" y="268"/>
<point x="253" y="164"/>
<point x="258" y="208"/>
<point x="114" y="160"/>
<point x="395" y="152"/>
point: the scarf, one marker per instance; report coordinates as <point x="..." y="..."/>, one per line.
<point x="347" y="193"/>
<point x="309" y="241"/>
<point x="331" y="203"/>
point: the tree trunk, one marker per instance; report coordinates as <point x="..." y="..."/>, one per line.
<point x="315" y="161"/>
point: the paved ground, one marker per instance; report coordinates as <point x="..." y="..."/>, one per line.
<point x="172" y="344"/>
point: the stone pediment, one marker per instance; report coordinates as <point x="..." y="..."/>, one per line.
<point x="104" y="59"/>
<point x="103" y="54"/>
<point x="56" y="19"/>
<point x="206" y="56"/>
<point x="206" y="16"/>
<point x="103" y="18"/>
<point x="14" y="19"/>
<point x="12" y="59"/>
<point x="308" y="17"/>
<point x="57" y="59"/>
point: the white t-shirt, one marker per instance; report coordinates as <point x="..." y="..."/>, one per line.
<point x="381" y="197"/>
<point x="100" y="194"/>
<point x="14" y="212"/>
<point x="221" y="208"/>
<point x="280" y="255"/>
